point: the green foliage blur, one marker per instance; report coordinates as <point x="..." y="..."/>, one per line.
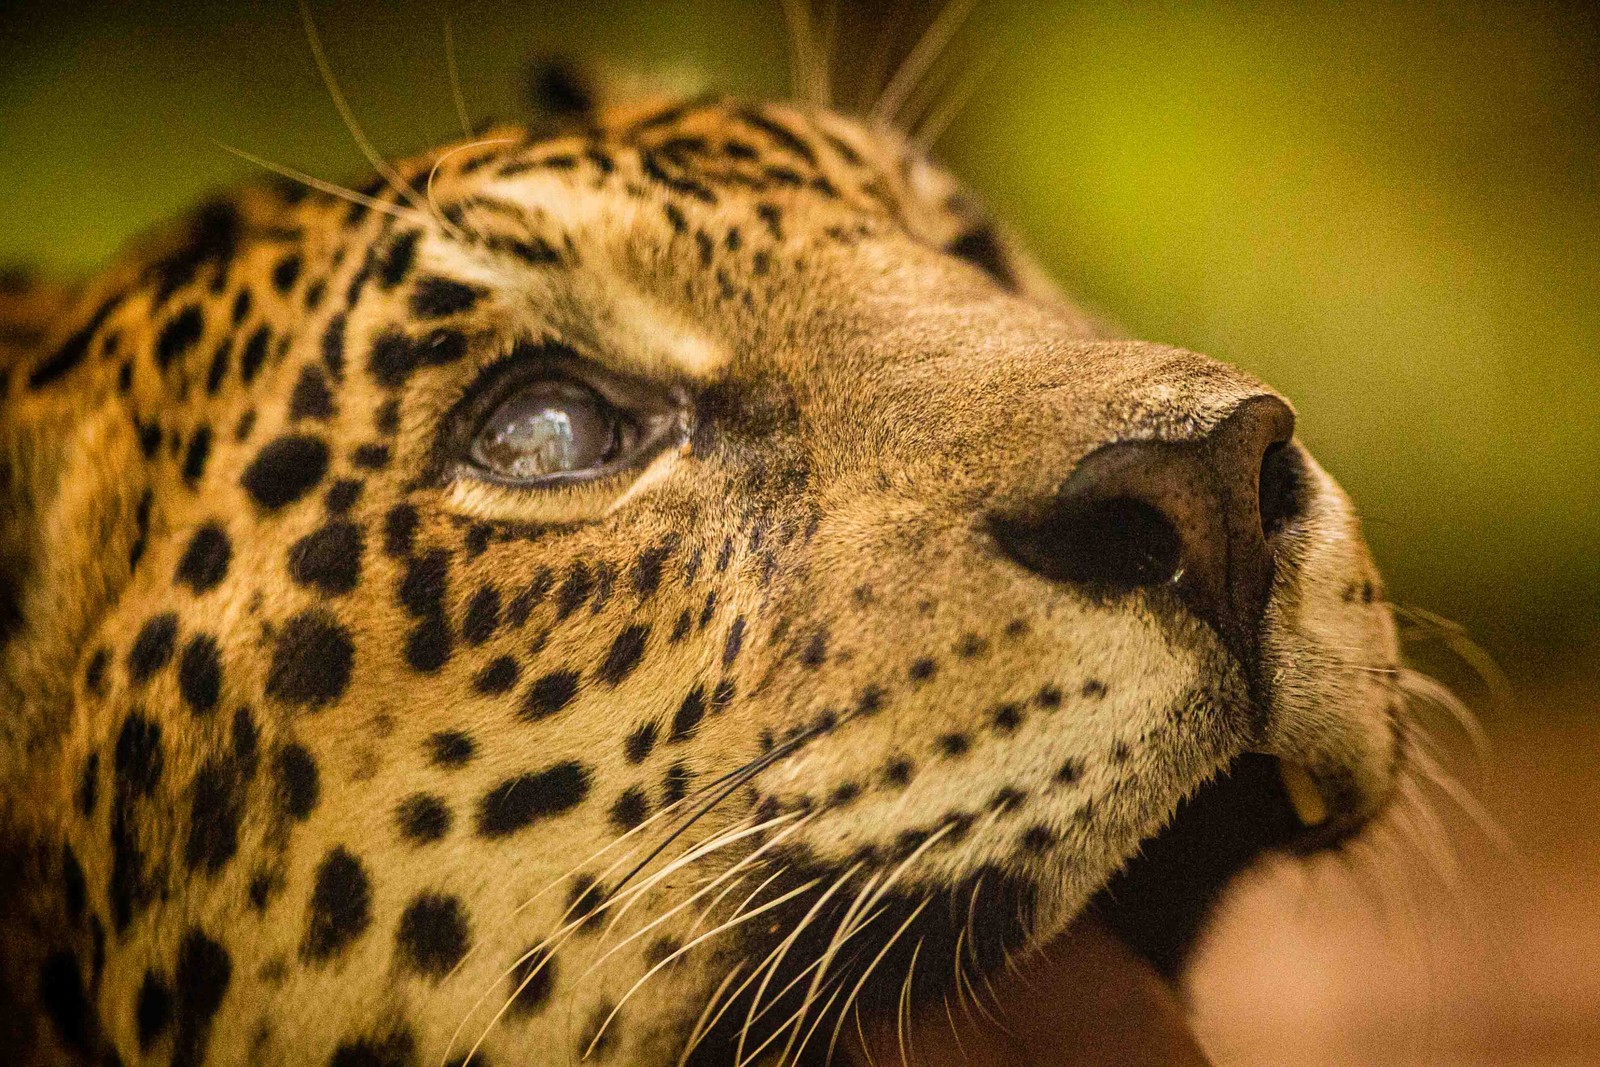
<point x="1391" y="212"/>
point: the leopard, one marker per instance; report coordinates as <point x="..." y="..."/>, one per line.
<point x="643" y="586"/>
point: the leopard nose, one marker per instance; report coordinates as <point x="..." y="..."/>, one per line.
<point x="1201" y="515"/>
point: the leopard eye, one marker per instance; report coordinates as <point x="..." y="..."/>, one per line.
<point x="549" y="428"/>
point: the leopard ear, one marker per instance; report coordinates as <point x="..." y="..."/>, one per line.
<point x="563" y="92"/>
<point x="69" y="503"/>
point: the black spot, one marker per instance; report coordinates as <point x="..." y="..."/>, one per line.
<point x="1093" y="689"/>
<point x="205" y="561"/>
<point x="436" y="298"/>
<point x="451" y="748"/>
<point x="216" y="808"/>
<point x="422" y="818"/>
<point x="311" y="661"/>
<point x="688" y="716"/>
<point x="498" y="676"/>
<point x="342" y="495"/>
<point x="371" y="457"/>
<point x="298" y="781"/>
<point x="94" y="675"/>
<point x="387" y="419"/>
<point x="198" y="452"/>
<point x="333" y="347"/>
<point x="519" y="802"/>
<point x="428" y="644"/>
<point x="138" y="760"/>
<point x="624" y="654"/>
<point x="422" y="589"/>
<point x="152" y="648"/>
<point x="340" y="908"/>
<point x="179" y="335"/>
<point x="922" y="669"/>
<point x="532" y="979"/>
<point x="954" y="744"/>
<point x="549" y="694"/>
<point x="675" y="784"/>
<point x="89" y="785"/>
<point x="735" y="642"/>
<point x="647" y="570"/>
<point x="483" y="616"/>
<point x="328" y="559"/>
<point x="74" y="887"/>
<point x="395" y="1050"/>
<point x="396" y="260"/>
<point x="200" y="674"/>
<point x="285" y="273"/>
<point x="204" y="969"/>
<point x="241" y="306"/>
<point x="584" y="899"/>
<point x="392" y="359"/>
<point x="575" y="589"/>
<point x="1038" y="838"/>
<point x="1048" y="697"/>
<point x="255" y="354"/>
<point x="630" y="809"/>
<point x="1071" y="770"/>
<point x="62" y="996"/>
<point x="815" y="652"/>
<point x="286" y="469"/>
<point x="433" y="934"/>
<point x="399" y="530"/>
<point x="311" y="398"/>
<point x="153" y="1010"/>
<point x="1007" y="717"/>
<point x="72" y="351"/>
<point x="639" y="743"/>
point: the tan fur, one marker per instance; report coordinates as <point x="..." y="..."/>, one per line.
<point x="876" y="397"/>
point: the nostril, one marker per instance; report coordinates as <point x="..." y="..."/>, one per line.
<point x="1281" y="493"/>
<point x="1115" y="544"/>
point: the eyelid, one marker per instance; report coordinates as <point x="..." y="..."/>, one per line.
<point x="658" y="417"/>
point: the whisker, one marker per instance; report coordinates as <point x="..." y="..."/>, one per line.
<point x="833" y="1041"/>
<point x="702" y="1025"/>
<point x="454" y="71"/>
<point x="420" y="218"/>
<point x="729" y="925"/>
<point x="357" y="134"/>
<point x="920" y="58"/>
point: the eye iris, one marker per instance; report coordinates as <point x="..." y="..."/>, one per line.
<point x="549" y="428"/>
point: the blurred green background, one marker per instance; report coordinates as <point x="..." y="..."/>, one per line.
<point x="1392" y="212"/>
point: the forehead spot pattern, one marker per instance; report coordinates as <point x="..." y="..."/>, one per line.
<point x="286" y="469"/>
<point x="311" y="661"/>
<point x="329" y="559"/>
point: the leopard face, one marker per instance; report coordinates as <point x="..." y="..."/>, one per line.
<point x="635" y="594"/>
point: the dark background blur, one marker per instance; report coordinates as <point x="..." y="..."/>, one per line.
<point x="1391" y="212"/>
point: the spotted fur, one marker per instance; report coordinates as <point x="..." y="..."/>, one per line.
<point x="313" y="752"/>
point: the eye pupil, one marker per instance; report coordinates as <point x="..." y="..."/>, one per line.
<point x="545" y="429"/>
